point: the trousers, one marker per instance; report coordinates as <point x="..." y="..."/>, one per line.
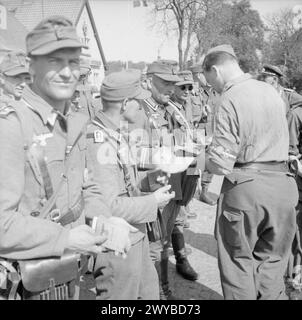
<point x="127" y="279"/>
<point x="255" y="227"/>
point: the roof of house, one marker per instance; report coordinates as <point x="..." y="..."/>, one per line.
<point x="31" y="12"/>
<point x="13" y="38"/>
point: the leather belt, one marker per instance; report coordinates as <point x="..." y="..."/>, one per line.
<point x="263" y="166"/>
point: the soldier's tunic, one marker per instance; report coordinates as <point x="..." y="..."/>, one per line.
<point x="294" y="118"/>
<point x="159" y="129"/>
<point x="22" y="192"/>
<point x="182" y="137"/>
<point x="114" y="170"/>
<point x="255" y="222"/>
<point x="291" y="98"/>
<point x="200" y="98"/>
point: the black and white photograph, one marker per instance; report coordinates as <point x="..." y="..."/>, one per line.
<point x="150" y="150"/>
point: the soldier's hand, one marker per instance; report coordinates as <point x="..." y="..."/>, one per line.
<point x="163" y="196"/>
<point x="84" y="239"/>
<point x="118" y="231"/>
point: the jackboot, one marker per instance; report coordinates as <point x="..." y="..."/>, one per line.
<point x="183" y="266"/>
<point x="165" y="293"/>
<point x="206" y="197"/>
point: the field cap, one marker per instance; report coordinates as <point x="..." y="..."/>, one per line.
<point x="124" y="84"/>
<point x="51" y="34"/>
<point x="271" y="70"/>
<point x="164" y="70"/>
<point x="14" y="63"/>
<point x="186" y="76"/>
<point x="223" y="48"/>
<point x="196" y="68"/>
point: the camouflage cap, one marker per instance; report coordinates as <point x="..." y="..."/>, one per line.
<point x="186" y="76"/>
<point x="14" y="63"/>
<point x="271" y="70"/>
<point x="51" y="34"/>
<point x="223" y="48"/>
<point x="163" y="70"/>
<point x="118" y="86"/>
<point x="196" y="68"/>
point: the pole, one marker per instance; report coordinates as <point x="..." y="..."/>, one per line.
<point x="96" y="35"/>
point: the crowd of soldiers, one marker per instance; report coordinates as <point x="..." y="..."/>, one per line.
<point x="104" y="185"/>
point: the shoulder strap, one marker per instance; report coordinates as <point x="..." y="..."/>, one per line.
<point x="50" y="204"/>
<point x="24" y="115"/>
<point x="176" y="110"/>
<point x="127" y="178"/>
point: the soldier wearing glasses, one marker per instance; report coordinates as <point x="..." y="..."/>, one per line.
<point x="182" y="100"/>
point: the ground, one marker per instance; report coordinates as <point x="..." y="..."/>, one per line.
<point x="200" y="239"/>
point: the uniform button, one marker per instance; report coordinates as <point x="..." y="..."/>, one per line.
<point x="43" y="201"/>
<point x="34" y="213"/>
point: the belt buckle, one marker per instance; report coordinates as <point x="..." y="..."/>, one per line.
<point x="55" y="215"/>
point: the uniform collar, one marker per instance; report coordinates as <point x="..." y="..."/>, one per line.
<point x="6" y="98"/>
<point x="178" y="105"/>
<point x="242" y="78"/>
<point x="47" y="113"/>
<point x="107" y="122"/>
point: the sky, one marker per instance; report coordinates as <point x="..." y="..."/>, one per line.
<point x="126" y="32"/>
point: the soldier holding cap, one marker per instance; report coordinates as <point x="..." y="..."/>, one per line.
<point x="114" y="169"/>
<point x="45" y="190"/>
<point x="13" y="75"/>
<point x="255" y="223"/>
<point x="273" y="75"/>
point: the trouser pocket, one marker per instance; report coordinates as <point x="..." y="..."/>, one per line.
<point x="232" y="224"/>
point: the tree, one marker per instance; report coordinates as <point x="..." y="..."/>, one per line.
<point x="237" y="24"/>
<point x="284" y="45"/>
<point x="179" y="16"/>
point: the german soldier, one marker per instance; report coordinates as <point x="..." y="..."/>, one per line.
<point x="134" y="277"/>
<point x="13" y="75"/>
<point x="162" y="76"/>
<point x="273" y="75"/>
<point x="182" y="100"/>
<point x="294" y="118"/>
<point x="45" y="190"/>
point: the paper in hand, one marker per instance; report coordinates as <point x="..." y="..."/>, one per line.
<point x="165" y="160"/>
